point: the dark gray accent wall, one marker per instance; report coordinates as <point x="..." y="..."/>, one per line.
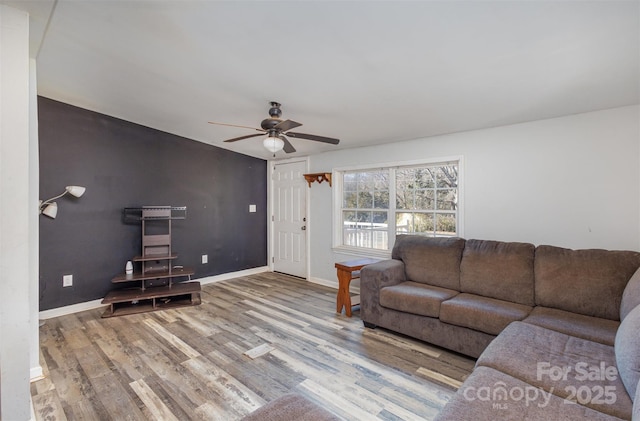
<point x="123" y="164"/>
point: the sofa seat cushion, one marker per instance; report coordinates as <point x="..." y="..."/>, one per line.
<point x="560" y="364"/>
<point x="627" y="348"/>
<point x="498" y="269"/>
<point x="487" y="315"/>
<point x="488" y="395"/>
<point x="585" y="327"/>
<point x="416" y="298"/>
<point x="589" y="282"/>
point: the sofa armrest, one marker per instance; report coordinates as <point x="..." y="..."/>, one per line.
<point x="383" y="274"/>
<point x="372" y="279"/>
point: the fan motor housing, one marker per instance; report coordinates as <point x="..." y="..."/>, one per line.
<point x="270" y="123"/>
<point x="274" y="112"/>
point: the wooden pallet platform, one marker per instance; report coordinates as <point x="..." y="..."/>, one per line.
<point x="135" y="300"/>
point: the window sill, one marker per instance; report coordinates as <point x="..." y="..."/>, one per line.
<point x="361" y="252"/>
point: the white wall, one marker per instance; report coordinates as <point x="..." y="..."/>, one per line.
<point x="571" y="182"/>
<point x="14" y="215"/>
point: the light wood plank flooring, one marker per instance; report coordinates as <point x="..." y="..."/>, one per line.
<point x="252" y="340"/>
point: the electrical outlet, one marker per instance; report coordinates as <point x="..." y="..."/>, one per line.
<point x="67" y="280"/>
<point x="252" y="208"/>
<point x="205" y="259"/>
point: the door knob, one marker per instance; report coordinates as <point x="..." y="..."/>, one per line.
<point x="304" y="227"/>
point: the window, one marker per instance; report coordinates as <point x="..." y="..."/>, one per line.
<point x="365" y="209"/>
<point x="375" y="204"/>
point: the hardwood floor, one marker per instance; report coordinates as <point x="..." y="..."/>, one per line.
<point x="252" y="340"/>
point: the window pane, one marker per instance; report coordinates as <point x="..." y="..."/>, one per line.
<point x="380" y="239"/>
<point x="404" y="223"/>
<point x="404" y="199"/>
<point x="349" y="177"/>
<point x="379" y="219"/>
<point x="366" y="180"/>
<point x="446" y="224"/>
<point x="381" y="199"/>
<point x="349" y="216"/>
<point x="446" y="176"/>
<point x="349" y="228"/>
<point x="424" y="179"/>
<point x="363" y="238"/>
<point x="381" y="180"/>
<point x="447" y="199"/>
<point x="414" y="178"/>
<point x="423" y="223"/>
<point x="424" y="199"/>
<point x="405" y="178"/>
<point x="364" y="218"/>
<point x="350" y="187"/>
<point x="414" y="223"/>
<point x="350" y="200"/>
<point x="365" y="200"/>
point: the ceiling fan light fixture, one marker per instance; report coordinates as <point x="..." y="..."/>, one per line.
<point x="273" y="144"/>
<point x="276" y="129"/>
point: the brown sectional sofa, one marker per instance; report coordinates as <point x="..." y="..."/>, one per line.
<point x="544" y="321"/>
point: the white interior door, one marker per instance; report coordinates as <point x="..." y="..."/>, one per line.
<point x="289" y="219"/>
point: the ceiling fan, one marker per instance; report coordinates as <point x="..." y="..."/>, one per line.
<point x="275" y="128"/>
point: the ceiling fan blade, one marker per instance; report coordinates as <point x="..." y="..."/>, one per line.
<point x="283" y="126"/>
<point x="314" y="137"/>
<point x="235" y="125"/>
<point x="288" y="147"/>
<point x="244" y="137"/>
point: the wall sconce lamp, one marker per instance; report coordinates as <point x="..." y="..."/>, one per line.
<point x="50" y="208"/>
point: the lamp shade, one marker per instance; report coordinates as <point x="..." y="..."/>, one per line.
<point x="273" y="144"/>
<point x="51" y="210"/>
<point x="76" y="191"/>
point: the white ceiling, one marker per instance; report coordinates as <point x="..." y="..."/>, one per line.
<point x="367" y="72"/>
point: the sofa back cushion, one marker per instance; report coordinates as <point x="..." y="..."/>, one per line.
<point x="432" y="261"/>
<point x="627" y="349"/>
<point x="588" y="282"/>
<point x="631" y="295"/>
<point x="499" y="270"/>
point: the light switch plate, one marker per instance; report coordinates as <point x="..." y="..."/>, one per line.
<point x="67" y="280"/>
<point x="205" y="259"/>
<point x="252" y="208"/>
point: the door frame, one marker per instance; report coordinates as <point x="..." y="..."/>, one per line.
<point x="270" y="213"/>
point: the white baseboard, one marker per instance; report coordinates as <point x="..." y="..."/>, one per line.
<point x="325" y="282"/>
<point x="91" y="305"/>
<point x="334" y="284"/>
<point x="231" y="275"/>
<point x="73" y="308"/>
<point x="36" y="373"/>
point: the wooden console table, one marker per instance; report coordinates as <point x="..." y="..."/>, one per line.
<point x="346" y="272"/>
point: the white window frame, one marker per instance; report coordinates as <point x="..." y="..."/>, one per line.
<point x="337" y="178"/>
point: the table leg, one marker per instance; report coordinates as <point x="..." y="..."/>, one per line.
<point x="344" y="298"/>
